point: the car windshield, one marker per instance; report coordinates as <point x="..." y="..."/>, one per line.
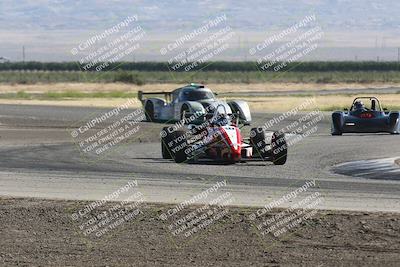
<point x="194" y="95"/>
<point x="366" y="104"/>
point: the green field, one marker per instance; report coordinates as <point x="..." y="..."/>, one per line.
<point x="146" y="77"/>
<point x="210" y="72"/>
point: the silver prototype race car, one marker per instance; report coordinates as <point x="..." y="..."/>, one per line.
<point x="362" y="118"/>
<point x="191" y="102"/>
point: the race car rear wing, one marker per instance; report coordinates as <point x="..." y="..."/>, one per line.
<point x="167" y="95"/>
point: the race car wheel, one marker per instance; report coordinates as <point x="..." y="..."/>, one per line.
<point x="165" y="139"/>
<point x="279" y="148"/>
<point x="257" y="141"/>
<point x="337" y="121"/>
<point x="149" y="111"/>
<point x="393" y="118"/>
<point x="184" y="112"/>
<point x="179" y="146"/>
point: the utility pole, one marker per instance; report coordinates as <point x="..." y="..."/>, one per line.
<point x="398" y="54"/>
<point x="23" y="54"/>
<point x="246" y="46"/>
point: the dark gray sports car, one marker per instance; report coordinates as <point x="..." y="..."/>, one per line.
<point x="363" y="118"/>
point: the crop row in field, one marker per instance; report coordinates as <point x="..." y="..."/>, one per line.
<point x="149" y="77"/>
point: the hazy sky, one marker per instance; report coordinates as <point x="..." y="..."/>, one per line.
<point x="354" y="29"/>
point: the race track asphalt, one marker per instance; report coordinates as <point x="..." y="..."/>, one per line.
<point x="39" y="158"/>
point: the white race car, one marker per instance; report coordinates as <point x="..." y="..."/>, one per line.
<point x="192" y="103"/>
<point x="219" y="138"/>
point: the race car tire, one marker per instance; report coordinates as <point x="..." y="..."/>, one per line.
<point x="279" y="148"/>
<point x="149" y="111"/>
<point x="257" y="141"/>
<point x="179" y="146"/>
<point x="165" y="139"/>
<point x="393" y="121"/>
<point x="337" y="124"/>
<point x="393" y="118"/>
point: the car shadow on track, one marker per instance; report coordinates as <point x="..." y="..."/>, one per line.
<point x="206" y="162"/>
<point x="223" y="163"/>
<point x="367" y="134"/>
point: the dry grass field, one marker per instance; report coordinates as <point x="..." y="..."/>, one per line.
<point x="75" y="94"/>
<point x="324" y="103"/>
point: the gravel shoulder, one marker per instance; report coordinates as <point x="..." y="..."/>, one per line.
<point x="39" y="232"/>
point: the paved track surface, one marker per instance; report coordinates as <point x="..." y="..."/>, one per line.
<point x="39" y="158"/>
<point x="373" y="169"/>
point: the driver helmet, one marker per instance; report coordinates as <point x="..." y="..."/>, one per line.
<point x="222" y="119"/>
<point x="359" y="105"/>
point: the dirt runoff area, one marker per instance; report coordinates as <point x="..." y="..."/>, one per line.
<point x="46" y="233"/>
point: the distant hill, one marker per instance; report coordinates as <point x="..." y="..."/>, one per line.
<point x="257" y="15"/>
<point x="59" y="24"/>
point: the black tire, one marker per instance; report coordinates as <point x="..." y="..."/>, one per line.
<point x="257" y="141"/>
<point x="179" y="146"/>
<point x="337" y="122"/>
<point x="149" y="111"/>
<point x="393" y="117"/>
<point x="279" y="148"/>
<point x="184" y="110"/>
<point x="165" y="139"/>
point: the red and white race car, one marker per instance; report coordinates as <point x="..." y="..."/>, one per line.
<point x="219" y="138"/>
